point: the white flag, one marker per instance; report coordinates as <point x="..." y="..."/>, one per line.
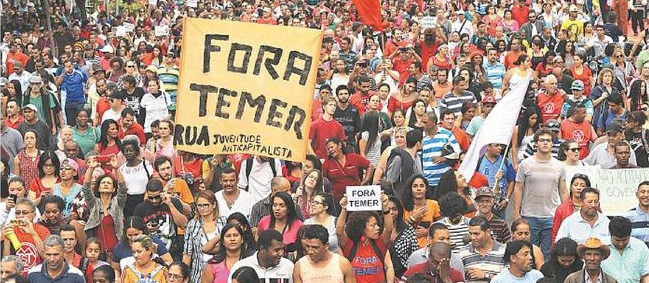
<point x="496" y="128"/>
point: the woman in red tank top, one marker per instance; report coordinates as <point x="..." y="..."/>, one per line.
<point x="109" y="142"/>
<point x="364" y="242"/>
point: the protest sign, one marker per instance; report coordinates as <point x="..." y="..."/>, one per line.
<point x="363" y="198"/>
<point x="129" y="27"/>
<point x="246" y="88"/>
<point x="120" y="31"/>
<point x="192" y="3"/>
<point x="161" y="30"/>
<point x="427" y="22"/>
<point x="153" y="2"/>
<point x="617" y="189"/>
<point x="591" y="171"/>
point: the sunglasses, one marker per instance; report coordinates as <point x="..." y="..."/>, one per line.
<point x="576" y="149"/>
<point x="130" y="66"/>
<point x="153" y="198"/>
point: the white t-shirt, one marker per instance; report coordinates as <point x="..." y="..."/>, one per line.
<point x="280" y="273"/>
<point x="242" y="204"/>
<point x="156" y="108"/>
<point x="137" y="177"/>
<point x="260" y="176"/>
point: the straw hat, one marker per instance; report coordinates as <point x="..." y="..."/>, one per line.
<point x="593" y="243"/>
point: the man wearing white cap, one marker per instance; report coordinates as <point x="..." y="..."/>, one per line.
<point x="45" y="103"/>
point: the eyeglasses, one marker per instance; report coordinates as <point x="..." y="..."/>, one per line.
<point x="576" y="149"/>
<point x="314" y="202"/>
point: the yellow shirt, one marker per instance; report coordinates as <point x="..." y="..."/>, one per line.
<point x="132" y="276"/>
<point x="432" y="214"/>
<point x="575" y="28"/>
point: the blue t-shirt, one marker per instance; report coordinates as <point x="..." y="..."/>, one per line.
<point x="121" y="251"/>
<point x="506" y="277"/>
<point x="490" y="169"/>
<point x="69" y="198"/>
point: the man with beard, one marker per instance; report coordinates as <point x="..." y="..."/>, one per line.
<point x="55" y="268"/>
<point x="268" y="261"/>
<point x="430" y="44"/>
<point x="349" y="117"/>
<point x="518" y="255"/>
<point x="14" y="117"/>
<point x="578" y="129"/>
<point x="173" y="186"/>
<point x="588" y="222"/>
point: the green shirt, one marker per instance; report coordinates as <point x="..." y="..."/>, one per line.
<point x="86" y="140"/>
<point x="38" y="102"/>
<point x="630" y="265"/>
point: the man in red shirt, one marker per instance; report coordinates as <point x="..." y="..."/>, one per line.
<point x="15" y="55"/>
<point x="14" y="117"/>
<point x="551" y="101"/>
<point x="361" y="98"/>
<point x="395" y="42"/>
<point x="520" y="12"/>
<point x="325" y="128"/>
<point x="438" y="265"/>
<point x="448" y="122"/>
<point x="30" y="235"/>
<point x="578" y="129"/>
<point x="267" y="17"/>
<point x="430" y="44"/>
<point x="128" y="126"/>
<point x="401" y="64"/>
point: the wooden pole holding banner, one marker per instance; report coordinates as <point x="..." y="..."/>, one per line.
<point x="500" y="168"/>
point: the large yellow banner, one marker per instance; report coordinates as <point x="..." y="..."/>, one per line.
<point x="246" y="88"/>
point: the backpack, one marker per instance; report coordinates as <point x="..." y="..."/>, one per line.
<point x="249" y="166"/>
<point x="148" y="278"/>
<point x="407" y="163"/>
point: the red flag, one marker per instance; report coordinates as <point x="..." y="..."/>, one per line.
<point x="370" y="12"/>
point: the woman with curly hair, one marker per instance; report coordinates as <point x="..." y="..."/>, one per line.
<point x="403" y="241"/>
<point x="452" y="208"/>
<point x="564" y="260"/>
<point x="364" y="235"/>
<point x="419" y="211"/>
<point x="637" y="95"/>
<point x="231" y="250"/>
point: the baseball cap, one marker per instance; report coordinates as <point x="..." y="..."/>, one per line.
<point x="31" y="107"/>
<point x="97" y="68"/>
<point x="71" y="163"/>
<point x="3" y="81"/>
<point x="35" y="80"/>
<point x="485" y="191"/>
<point x="152" y="68"/>
<point x="574" y="8"/>
<point x="614" y="128"/>
<point x="106" y="49"/>
<point x="552" y="124"/>
<point x="488" y="99"/>
<point x="577" y="85"/>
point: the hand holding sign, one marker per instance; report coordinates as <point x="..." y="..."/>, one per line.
<point x="363" y="198"/>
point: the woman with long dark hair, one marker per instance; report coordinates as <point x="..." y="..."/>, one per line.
<point x="578" y="183"/>
<point x="231" y="250"/>
<point x="13" y="91"/>
<point x="417" y="113"/>
<point x="109" y="142"/>
<point x="518" y="74"/>
<point x="581" y="71"/>
<point x="403" y="241"/>
<point x="638" y="95"/>
<point x="524" y="134"/>
<point x="638" y="137"/>
<point x="453" y="181"/>
<point x="282" y="219"/>
<point x="48" y="175"/>
<point x="248" y="237"/>
<point x="566" y="49"/>
<point x="404" y="98"/>
<point x="563" y="261"/>
<point x="205" y="227"/>
<point x="370" y="139"/>
<point x="419" y="211"/>
<point x="312" y="184"/>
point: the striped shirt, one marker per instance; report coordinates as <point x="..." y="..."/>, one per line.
<point x="454" y="103"/>
<point x="492" y="262"/>
<point x="499" y="229"/>
<point x="432" y="147"/>
<point x="639" y="224"/>
<point x="169" y="78"/>
<point x="457" y="231"/>
<point x="495" y="73"/>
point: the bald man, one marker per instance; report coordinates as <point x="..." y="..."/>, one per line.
<point x="438" y="263"/>
<point x="264" y="206"/>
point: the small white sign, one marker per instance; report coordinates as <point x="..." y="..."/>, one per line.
<point x="120" y="31"/>
<point x="161" y="30"/>
<point x="427" y="22"/>
<point x="363" y="198"/>
<point x="129" y="27"/>
<point x="192" y="3"/>
<point x="153" y="2"/>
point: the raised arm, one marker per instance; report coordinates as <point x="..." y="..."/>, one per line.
<point x="340" y="223"/>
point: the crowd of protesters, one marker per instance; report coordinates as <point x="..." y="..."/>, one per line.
<point x="93" y="189"/>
